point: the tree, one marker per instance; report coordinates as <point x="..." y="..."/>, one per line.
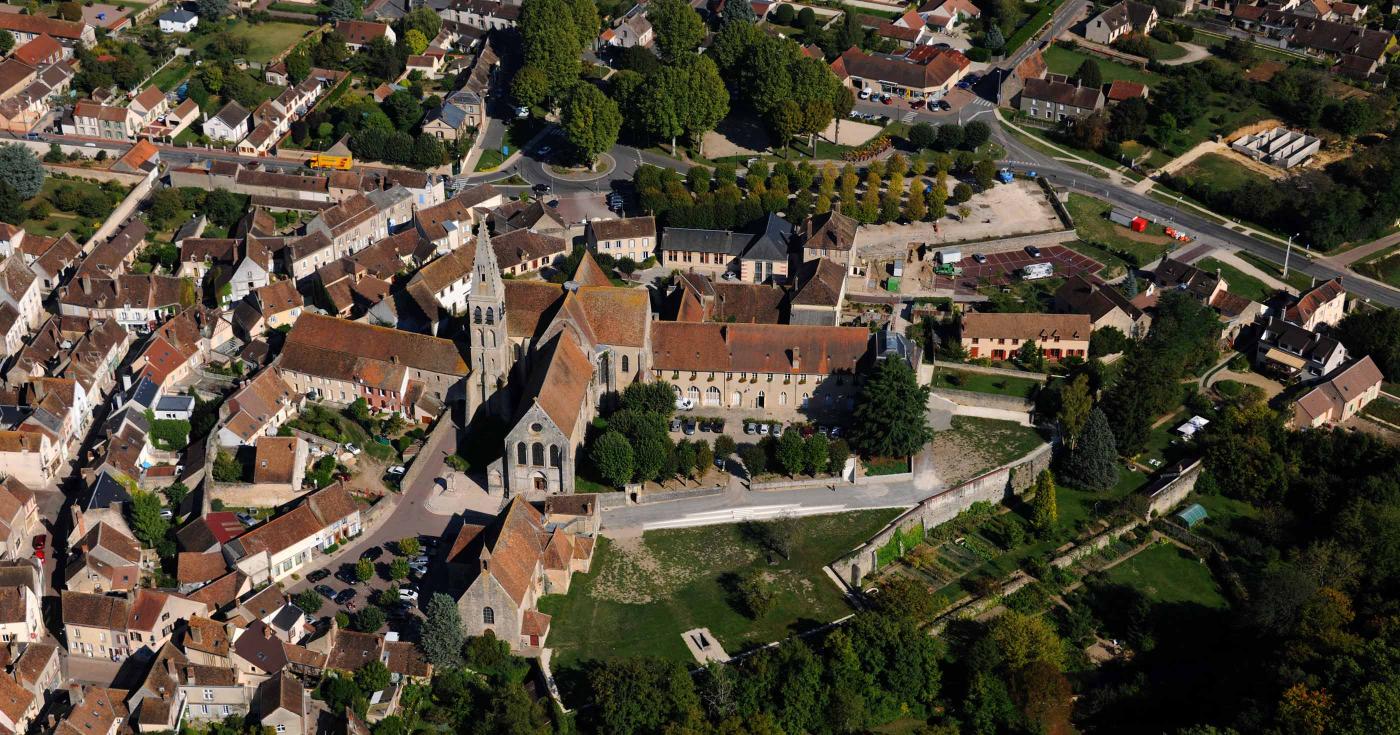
<point x="1075" y="405"/>
<point x="923" y="135"/>
<point x="71" y="11"/>
<point x="211" y="10"/>
<point x="146" y="521"/>
<point x="838" y="453"/>
<point x="984" y="173"/>
<point x="424" y="20"/>
<point x="398" y="569"/>
<point x="409" y="546"/>
<point x="816" y="454"/>
<point x="1108" y="340"/>
<point x="915" y="207"/>
<point x="679" y="29"/>
<point x="755" y="459"/>
<point x="975" y="134"/>
<point x="309" y="601"/>
<point x="551" y="42"/>
<point x="755" y="595"/>
<point x="891" y="417"/>
<point x="1044" y="510"/>
<point x="1128" y="119"/>
<point x="591" y="122"/>
<point x="961" y="193"/>
<point x="373" y="676"/>
<point x="227" y="468"/>
<point x="1025" y="639"/>
<point x="950" y="136"/>
<point x="175" y="494"/>
<point x="685" y="459"/>
<point x="441" y="638"/>
<point x="340" y="9"/>
<point x="21" y="169"/>
<point x="737" y="13"/>
<point x="791" y="453"/>
<point x="1089" y="75"/>
<point x="415" y="42"/>
<point x="1031" y="356"/>
<point x="531" y="87"/>
<point x="642" y="695"/>
<point x="725" y="446"/>
<point x="364" y="570"/>
<point x="1092" y="463"/>
<point x="7" y="42"/>
<point x="1374" y="332"/>
<point x="368" y="620"/>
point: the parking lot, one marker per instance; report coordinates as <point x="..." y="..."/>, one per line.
<point x="349" y="595"/>
<point x="1004" y="267"/>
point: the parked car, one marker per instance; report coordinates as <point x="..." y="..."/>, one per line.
<point x="1033" y="251"/>
<point x="749" y="427"/>
<point x="246" y="519"/>
<point x="865" y="94"/>
<point x="347" y="575"/>
<point x="408" y="595"/>
<point x="688" y="428"/>
<point x="806" y="430"/>
<point x="421" y="559"/>
<point x="777" y="431"/>
<point x="835" y="432"/>
<point x="979" y="258"/>
<point x="543" y="151"/>
<point x="352" y="449"/>
<point x="326" y="591"/>
<point x="372" y="553"/>
<point x="522" y="112"/>
<point x="344" y="597"/>
<point x="943" y="105"/>
<point x="684" y="404"/>
<point x="541" y="188"/>
<point x="763" y="429"/>
<point x="675" y="424"/>
<point x="317" y="575"/>
<point x="916" y="104"/>
<point x="397" y="469"/>
<point x="167" y="513"/>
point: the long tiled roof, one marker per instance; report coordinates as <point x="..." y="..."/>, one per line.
<point x="330" y="341"/>
<point x="757" y="348"/>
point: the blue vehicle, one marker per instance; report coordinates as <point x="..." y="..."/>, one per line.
<point x="1005" y="176"/>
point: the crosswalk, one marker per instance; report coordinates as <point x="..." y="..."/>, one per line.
<point x="908" y="116"/>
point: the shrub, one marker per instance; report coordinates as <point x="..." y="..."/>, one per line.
<point x="979" y="54"/>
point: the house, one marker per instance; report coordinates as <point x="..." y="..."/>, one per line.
<point x="699" y="298"/>
<point x="632" y="29"/>
<point x="278" y="303"/>
<point x="95" y="120"/>
<point x="361" y="33"/>
<point x="940" y="71"/>
<point x="1323" y="305"/>
<point x="283" y="706"/>
<point x="947" y="15"/>
<point x="178" y="20"/>
<point x="1125" y="17"/>
<point x="1105" y="305"/>
<point x="754" y="258"/>
<point x="18" y="706"/>
<point x="460" y="112"/>
<point x="520" y="215"/>
<point x="26" y="28"/>
<point x="629" y="237"/>
<point x="1339" y="397"/>
<point x="21" y="592"/>
<point x="523" y="251"/>
<point x="42" y="51"/>
<point x="1000" y="336"/>
<point x="194" y="569"/>
<point x="231" y="123"/>
<point x="443" y="283"/>
<point x="280" y="461"/>
<point x="177" y="690"/>
<point x="831" y="236"/>
<point x="820" y="290"/>
<point x="206" y="641"/>
<point x="40" y="669"/>
<point x="482" y="15"/>
<point x="141" y="158"/>
<point x="31" y="456"/>
<point x="447" y="225"/>
<point x="95" y="711"/>
<point x="104" y="626"/>
<point x="275" y="549"/>
<point x="1173" y="274"/>
<point x="145" y="107"/>
<point x="19" y="519"/>
<point x="20" y="289"/>
<point x="271" y="607"/>
<point x="1295" y="352"/>
<point x="210" y="532"/>
<point x="781" y="368"/>
<point x="258" y="408"/>
<point x="515" y="560"/>
<point x="1055" y="98"/>
<point x="338" y="361"/>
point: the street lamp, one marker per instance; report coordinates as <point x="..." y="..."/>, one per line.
<point x="1288" y="250"/>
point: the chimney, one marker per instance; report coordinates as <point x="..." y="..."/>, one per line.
<point x="170" y="667"/>
<point x="87" y="284"/>
<point x="797" y="358"/>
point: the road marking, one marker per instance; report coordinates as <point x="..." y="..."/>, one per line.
<point x="737" y="515"/>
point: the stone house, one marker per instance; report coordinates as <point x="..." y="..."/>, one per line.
<point x="1125" y="17"/>
<point x="274" y="550"/>
<point x="509" y="565"/>
<point x="1339" y="397"/>
<point x="629" y="237"/>
<point x="1000" y="336"/>
<point x="1105" y="305"/>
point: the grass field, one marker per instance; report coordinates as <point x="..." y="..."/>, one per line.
<point x="58" y="221"/>
<point x="641" y="595"/>
<point x="985" y="383"/>
<point x="1221" y="172"/>
<point x="1166" y="573"/>
<point x="490" y="159"/>
<point x="1165" y="51"/>
<point x="1384" y="409"/>
<point x="265" y="40"/>
<point x="1092" y="223"/>
<point x="1383" y="266"/>
<point x="1113" y="264"/>
<point x="1161" y="439"/>
<point x="1241" y="283"/>
<point x="1067" y="61"/>
<point x="1296" y="279"/>
<point x="170" y="77"/>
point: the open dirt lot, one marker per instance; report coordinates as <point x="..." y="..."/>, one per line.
<point x="1005" y="210"/>
<point x="1001" y="268"/>
<point x="852" y="132"/>
<point x="739" y="135"/>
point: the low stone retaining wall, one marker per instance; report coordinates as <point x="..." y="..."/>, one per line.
<point x="993" y="487"/>
<point x="984" y="400"/>
<point x="806" y="484"/>
<point x="664" y="496"/>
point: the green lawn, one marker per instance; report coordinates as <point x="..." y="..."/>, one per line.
<point x="1091" y="222"/>
<point x="985" y="383"/>
<point x="1221" y="172"/>
<point x="58" y="221"/>
<point x="170" y="77"/>
<point x="1296" y="279"/>
<point x="1165" y="51"/>
<point x="490" y="160"/>
<point x="1160" y="439"/>
<point x="1077" y="506"/>
<point x="1166" y="573"/>
<point x="300" y="8"/>
<point x="640" y="596"/>
<point x="1241" y="283"/>
<point x="265" y="40"/>
<point x="1383" y="266"/>
<point x="1067" y="61"/>
<point x="1384" y="409"/>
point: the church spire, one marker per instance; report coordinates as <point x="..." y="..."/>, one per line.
<point x="488" y="275"/>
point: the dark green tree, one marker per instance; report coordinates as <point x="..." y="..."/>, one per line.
<point x="891" y="412"/>
<point x="441" y="639"/>
<point x="368" y="620"/>
<point x="1092" y="464"/>
<point x="21" y="169"/>
<point x="791" y="453"/>
<point x="643" y="695"/>
<point x="1374" y="332"/>
<point x="591" y="122"/>
<point x="612" y="457"/>
<point x="1089" y="74"/>
<point x="679" y="29"/>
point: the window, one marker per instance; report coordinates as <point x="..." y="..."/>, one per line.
<point x="477" y="316"/>
<point x="520" y="453"/>
<point x="208" y="695"/>
<point x="488" y="616"/>
<point x="281" y="728"/>
<point x="712" y="396"/>
<point x="554" y="455"/>
<point x="537" y="454"/>
<point x="782" y="399"/>
<point x="625" y="368"/>
<point x="490" y="315"/>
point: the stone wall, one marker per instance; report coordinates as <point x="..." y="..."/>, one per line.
<point x="126" y="208"/>
<point x="1167" y="491"/>
<point x="985" y="400"/>
<point x="993" y="487"/>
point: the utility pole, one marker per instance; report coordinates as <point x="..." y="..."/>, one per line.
<point x="1286" y="252"/>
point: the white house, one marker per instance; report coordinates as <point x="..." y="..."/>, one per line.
<point x="230" y="123"/>
<point x="178" y="21"/>
<point x="274" y="550"/>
